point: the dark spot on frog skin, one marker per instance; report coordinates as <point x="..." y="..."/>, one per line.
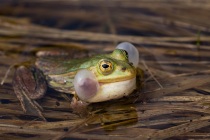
<point x="123" y="68"/>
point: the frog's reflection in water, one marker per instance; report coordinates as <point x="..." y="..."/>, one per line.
<point x="114" y="114"/>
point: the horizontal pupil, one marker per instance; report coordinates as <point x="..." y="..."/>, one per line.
<point x="105" y="66"/>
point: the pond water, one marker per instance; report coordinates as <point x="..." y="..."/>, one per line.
<point x="173" y="41"/>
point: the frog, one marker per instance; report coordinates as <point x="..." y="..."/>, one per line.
<point x="98" y="78"/>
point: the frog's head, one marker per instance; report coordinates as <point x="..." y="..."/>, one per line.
<point x="114" y="67"/>
<point x="109" y="76"/>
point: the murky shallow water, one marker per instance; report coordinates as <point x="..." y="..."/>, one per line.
<point x="174" y="104"/>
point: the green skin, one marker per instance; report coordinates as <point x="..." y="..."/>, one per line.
<point x="58" y="73"/>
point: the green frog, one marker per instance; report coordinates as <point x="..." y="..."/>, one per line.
<point x="95" y="79"/>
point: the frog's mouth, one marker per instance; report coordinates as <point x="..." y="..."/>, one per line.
<point x="114" y="90"/>
<point x="117" y="79"/>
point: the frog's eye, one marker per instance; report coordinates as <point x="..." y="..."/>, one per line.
<point x="85" y="84"/>
<point x="133" y="53"/>
<point x="105" y="67"/>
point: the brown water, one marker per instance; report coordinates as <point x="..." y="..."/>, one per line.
<point x="172" y="38"/>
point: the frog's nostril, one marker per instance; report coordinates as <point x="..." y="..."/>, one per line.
<point x="123" y="68"/>
<point x="130" y="63"/>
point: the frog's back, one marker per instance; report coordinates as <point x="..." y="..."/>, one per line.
<point x="58" y="65"/>
<point x="60" y="71"/>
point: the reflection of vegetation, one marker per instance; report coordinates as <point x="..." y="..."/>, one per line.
<point x="178" y="109"/>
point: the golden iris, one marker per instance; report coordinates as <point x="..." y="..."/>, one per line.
<point x="105" y="66"/>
